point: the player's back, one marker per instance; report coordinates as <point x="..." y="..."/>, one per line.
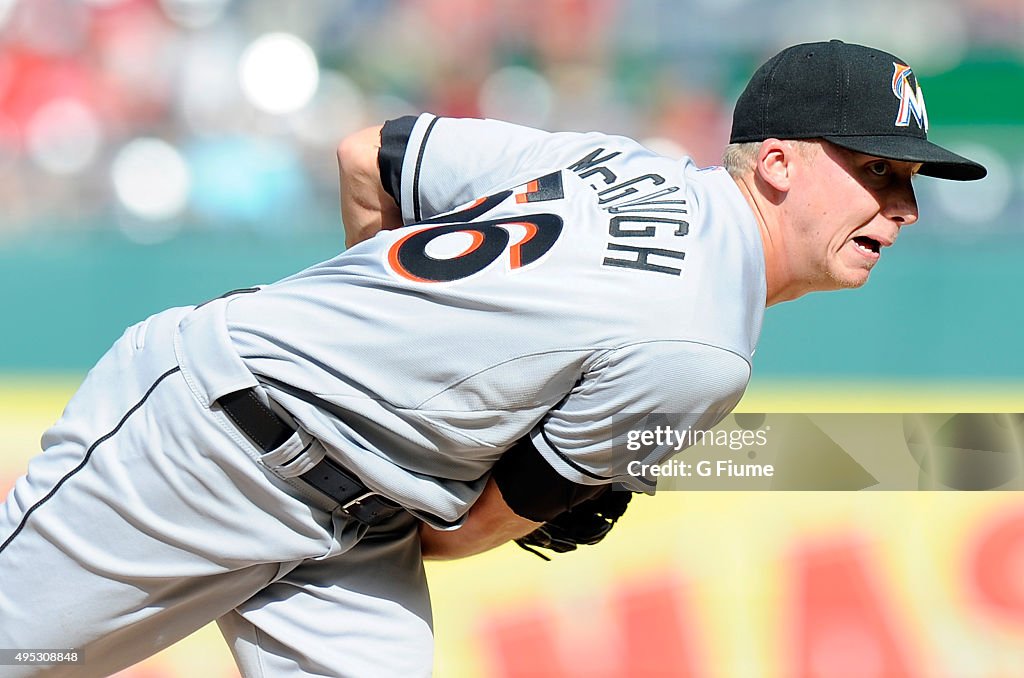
<point x="454" y="336"/>
<point x="606" y="272"/>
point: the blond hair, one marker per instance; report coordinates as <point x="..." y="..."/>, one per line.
<point x="739" y="159"/>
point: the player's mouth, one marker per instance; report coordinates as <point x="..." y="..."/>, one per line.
<point x="869" y="247"/>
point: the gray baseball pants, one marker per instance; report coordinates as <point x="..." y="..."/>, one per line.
<point x="149" y="514"/>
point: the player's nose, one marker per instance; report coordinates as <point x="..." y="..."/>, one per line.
<point x="901" y="206"/>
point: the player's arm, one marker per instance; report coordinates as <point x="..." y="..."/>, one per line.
<point x="490" y="523"/>
<point x="523" y="493"/>
<point x="366" y="207"/>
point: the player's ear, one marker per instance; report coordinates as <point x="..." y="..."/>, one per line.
<point x="773" y="164"/>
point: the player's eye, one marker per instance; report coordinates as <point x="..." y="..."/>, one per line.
<point x="880" y="168"/>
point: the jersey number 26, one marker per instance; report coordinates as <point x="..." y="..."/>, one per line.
<point x="408" y="257"/>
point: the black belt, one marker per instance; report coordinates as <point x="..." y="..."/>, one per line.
<point x="270" y="431"/>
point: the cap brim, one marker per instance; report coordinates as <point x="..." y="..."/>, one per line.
<point x="936" y="160"/>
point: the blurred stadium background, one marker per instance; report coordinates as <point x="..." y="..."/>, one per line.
<point x="158" y="152"/>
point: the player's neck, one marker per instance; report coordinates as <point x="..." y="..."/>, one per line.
<point x="778" y="282"/>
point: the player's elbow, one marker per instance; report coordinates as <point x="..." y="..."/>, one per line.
<point x="346" y="152"/>
<point x="357" y="152"/>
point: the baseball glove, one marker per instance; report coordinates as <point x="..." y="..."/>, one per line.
<point x="586" y="523"/>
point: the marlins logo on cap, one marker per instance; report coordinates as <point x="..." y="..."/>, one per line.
<point x="910" y="95"/>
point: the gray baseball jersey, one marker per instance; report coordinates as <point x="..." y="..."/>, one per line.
<point x="560" y="286"/>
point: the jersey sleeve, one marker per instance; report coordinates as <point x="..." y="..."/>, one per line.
<point x="431" y="165"/>
<point x="674" y="384"/>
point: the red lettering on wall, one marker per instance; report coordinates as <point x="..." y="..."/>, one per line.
<point x="995" y="566"/>
<point x="843" y="621"/>
<point x="522" y="643"/>
<point x="659" y="639"/>
<point x="648" y="633"/>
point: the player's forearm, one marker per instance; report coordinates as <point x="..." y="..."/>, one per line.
<point x="490" y="523"/>
<point x="366" y="208"/>
<point x="462" y="543"/>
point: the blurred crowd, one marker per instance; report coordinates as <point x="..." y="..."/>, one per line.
<point x="153" y="116"/>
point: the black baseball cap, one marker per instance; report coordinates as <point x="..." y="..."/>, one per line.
<point x="856" y="97"/>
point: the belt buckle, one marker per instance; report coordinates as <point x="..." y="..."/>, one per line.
<point x="357" y="502"/>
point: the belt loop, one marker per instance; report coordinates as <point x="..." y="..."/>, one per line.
<point x="256" y="420"/>
<point x="269" y="431"/>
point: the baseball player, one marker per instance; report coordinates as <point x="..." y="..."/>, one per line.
<point x="513" y="302"/>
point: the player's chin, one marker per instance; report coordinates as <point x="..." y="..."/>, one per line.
<point x="852" y="268"/>
<point x="849" y="278"/>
